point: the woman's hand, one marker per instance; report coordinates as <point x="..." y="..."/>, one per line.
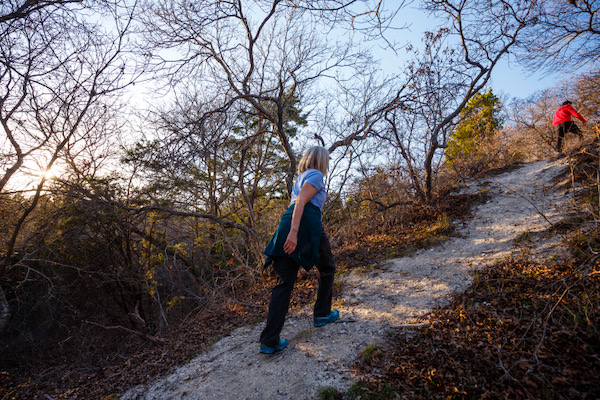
<point x="290" y="243"/>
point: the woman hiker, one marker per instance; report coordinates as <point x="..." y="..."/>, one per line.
<point x="301" y="241"/>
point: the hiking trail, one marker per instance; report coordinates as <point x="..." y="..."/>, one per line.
<point x="372" y="303"/>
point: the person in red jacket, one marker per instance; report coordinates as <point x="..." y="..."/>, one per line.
<point x="564" y="124"/>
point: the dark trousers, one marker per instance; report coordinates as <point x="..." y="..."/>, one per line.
<point x="564" y="128"/>
<point x="287" y="271"/>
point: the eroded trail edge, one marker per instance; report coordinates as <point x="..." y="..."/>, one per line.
<point x="373" y="303"/>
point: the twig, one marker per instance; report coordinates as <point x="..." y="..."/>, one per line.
<point x="530" y="201"/>
<point x="143" y="335"/>
<point x="545" y="330"/>
<point x="503" y="368"/>
<point x="416" y="325"/>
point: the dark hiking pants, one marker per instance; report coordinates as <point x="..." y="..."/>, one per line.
<point x="287" y="271"/>
<point x="564" y="128"/>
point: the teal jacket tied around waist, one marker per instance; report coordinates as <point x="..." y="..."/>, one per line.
<point x="306" y="253"/>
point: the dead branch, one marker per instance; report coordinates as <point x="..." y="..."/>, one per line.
<point x="143" y="335"/>
<point x="416" y="325"/>
<point x="31" y="6"/>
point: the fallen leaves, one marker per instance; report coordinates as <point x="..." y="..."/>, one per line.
<point x="521" y="336"/>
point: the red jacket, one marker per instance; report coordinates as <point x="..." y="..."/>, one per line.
<point x="564" y="113"/>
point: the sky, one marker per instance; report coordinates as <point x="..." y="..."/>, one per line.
<point x="514" y="81"/>
<point x="508" y="78"/>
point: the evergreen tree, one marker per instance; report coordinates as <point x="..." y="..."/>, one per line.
<point x="479" y="120"/>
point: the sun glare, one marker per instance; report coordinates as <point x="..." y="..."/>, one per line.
<point x="50" y="174"/>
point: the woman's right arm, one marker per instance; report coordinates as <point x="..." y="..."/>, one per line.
<point x="306" y="193"/>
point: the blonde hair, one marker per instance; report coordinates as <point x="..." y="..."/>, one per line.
<point x="316" y="157"/>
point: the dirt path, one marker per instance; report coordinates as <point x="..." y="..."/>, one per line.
<point x="372" y="303"/>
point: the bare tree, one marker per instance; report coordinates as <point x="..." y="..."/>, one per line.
<point x="264" y="54"/>
<point x="454" y="65"/>
<point x="532" y="124"/>
<point x="586" y="86"/>
<point x="563" y="36"/>
<point x="59" y="68"/>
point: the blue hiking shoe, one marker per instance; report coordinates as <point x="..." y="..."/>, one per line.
<point x="270" y="350"/>
<point x="332" y="317"/>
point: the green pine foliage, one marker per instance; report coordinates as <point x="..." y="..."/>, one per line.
<point x="479" y="120"/>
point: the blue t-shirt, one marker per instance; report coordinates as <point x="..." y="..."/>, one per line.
<point x="315" y="178"/>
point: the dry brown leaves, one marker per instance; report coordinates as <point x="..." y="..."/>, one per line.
<point x="520" y="331"/>
<point x="415" y="228"/>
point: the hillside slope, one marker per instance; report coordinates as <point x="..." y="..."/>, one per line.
<point x="372" y="303"/>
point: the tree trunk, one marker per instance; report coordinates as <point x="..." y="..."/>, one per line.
<point x="4" y="311"/>
<point x="428" y="165"/>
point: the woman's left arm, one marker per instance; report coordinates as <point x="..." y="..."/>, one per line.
<point x="306" y="193"/>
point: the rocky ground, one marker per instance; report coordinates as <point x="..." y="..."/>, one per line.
<point x="374" y="302"/>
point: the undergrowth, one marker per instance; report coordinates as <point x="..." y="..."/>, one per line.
<point x="412" y="228"/>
